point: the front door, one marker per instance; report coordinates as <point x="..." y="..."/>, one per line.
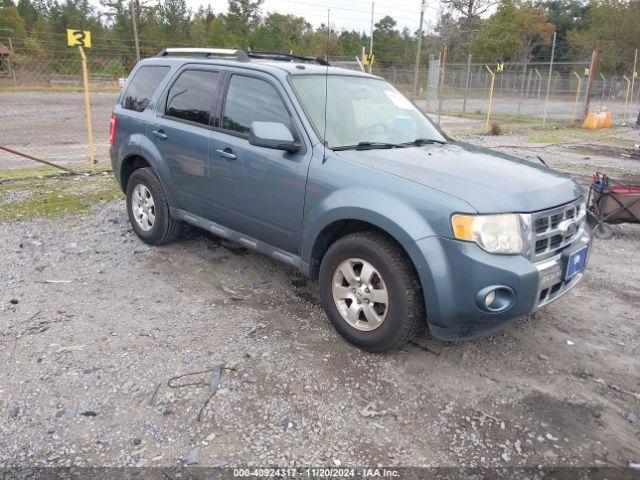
<point x="181" y="131"/>
<point x="258" y="191"/>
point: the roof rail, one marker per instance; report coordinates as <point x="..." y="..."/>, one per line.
<point x="240" y="54"/>
<point x="287" y="57"/>
<point x="205" y="52"/>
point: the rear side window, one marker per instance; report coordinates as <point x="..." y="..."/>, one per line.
<point x="193" y="95"/>
<point x="142" y="86"/>
<point x="252" y="100"/>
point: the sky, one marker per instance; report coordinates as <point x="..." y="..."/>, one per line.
<point x="344" y="14"/>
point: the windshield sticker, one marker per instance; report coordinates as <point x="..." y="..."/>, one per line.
<point x="399" y="101"/>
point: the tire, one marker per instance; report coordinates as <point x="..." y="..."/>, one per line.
<point x="404" y="313"/>
<point x="164" y="228"/>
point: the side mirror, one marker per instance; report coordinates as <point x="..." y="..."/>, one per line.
<point x="272" y="135"/>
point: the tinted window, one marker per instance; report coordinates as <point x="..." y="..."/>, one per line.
<point x="252" y="100"/>
<point x="142" y="86"/>
<point x="192" y="96"/>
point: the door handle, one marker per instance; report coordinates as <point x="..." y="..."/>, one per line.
<point x="160" y="134"/>
<point x="227" y="153"/>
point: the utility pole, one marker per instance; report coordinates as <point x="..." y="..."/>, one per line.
<point x="423" y="6"/>
<point x="371" y="40"/>
<point x="135" y="27"/>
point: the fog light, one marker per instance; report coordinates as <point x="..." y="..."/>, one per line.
<point x="488" y="300"/>
<point x="496" y="298"/>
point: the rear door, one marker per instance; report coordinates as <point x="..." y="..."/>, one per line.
<point x="258" y="191"/>
<point x="181" y="131"/>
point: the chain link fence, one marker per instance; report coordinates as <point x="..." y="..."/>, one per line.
<point x="43" y="114"/>
<point x="42" y="109"/>
<point x="534" y="91"/>
<point x="403" y="78"/>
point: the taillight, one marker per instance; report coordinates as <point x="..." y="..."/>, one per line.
<point x="113" y="128"/>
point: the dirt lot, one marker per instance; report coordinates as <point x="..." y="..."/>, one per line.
<point x="52" y="125"/>
<point x="94" y="325"/>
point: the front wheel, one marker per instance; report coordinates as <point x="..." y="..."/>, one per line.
<point x="148" y="208"/>
<point x="370" y="292"/>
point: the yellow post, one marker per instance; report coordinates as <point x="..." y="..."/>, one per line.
<point x="575" y="103"/>
<point x="493" y="79"/>
<point x="87" y="104"/>
<point x="626" y="99"/>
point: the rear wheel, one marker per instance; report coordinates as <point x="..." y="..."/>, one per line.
<point x="370" y="292"/>
<point x="148" y="208"/>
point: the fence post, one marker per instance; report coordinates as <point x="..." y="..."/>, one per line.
<point x="539" y="81"/>
<point x="524" y="76"/>
<point x="13" y="70"/>
<point x="493" y="79"/>
<point x="633" y="75"/>
<point x="546" y="101"/>
<point x="466" y="85"/>
<point x="611" y="88"/>
<point x="626" y="100"/>
<point x="441" y="78"/>
<point x="575" y="103"/>
<point x="604" y="87"/>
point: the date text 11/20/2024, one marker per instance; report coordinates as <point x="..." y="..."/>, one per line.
<point x="316" y="472"/>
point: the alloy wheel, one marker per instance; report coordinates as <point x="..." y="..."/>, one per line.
<point x="143" y="207"/>
<point x="360" y="294"/>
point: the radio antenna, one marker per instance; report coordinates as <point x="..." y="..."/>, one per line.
<point x="326" y="90"/>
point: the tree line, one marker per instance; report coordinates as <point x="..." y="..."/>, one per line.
<point x="489" y="30"/>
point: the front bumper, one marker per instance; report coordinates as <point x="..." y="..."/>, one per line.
<point x="452" y="273"/>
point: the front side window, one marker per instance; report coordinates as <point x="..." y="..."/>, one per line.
<point x="192" y="96"/>
<point x="252" y="100"/>
<point x="361" y="110"/>
<point x="142" y="86"/>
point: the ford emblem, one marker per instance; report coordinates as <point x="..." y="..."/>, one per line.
<point x="568" y="228"/>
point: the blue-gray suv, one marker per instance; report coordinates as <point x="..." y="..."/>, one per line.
<point x="338" y="174"/>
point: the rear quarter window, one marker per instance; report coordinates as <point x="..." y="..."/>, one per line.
<point x="142" y="85"/>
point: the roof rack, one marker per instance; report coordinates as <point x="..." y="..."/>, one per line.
<point x="240" y="55"/>
<point x="204" y="52"/>
<point x="287" y="57"/>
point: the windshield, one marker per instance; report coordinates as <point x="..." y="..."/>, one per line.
<point x="362" y="110"/>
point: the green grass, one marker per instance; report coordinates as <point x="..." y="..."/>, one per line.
<point x="45" y="172"/>
<point x="48" y="195"/>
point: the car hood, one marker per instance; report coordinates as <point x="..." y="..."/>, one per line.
<point x="489" y="181"/>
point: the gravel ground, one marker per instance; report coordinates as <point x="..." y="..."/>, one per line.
<point x="94" y="325"/>
<point x="103" y="323"/>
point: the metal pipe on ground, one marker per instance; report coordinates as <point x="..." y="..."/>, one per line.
<point x="36" y="159"/>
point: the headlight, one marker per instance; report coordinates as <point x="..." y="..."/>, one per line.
<point x="494" y="233"/>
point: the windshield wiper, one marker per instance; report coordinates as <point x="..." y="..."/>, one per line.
<point x="369" y="146"/>
<point x="425" y="141"/>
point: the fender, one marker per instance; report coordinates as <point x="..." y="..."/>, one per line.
<point x="128" y="148"/>
<point x="387" y="212"/>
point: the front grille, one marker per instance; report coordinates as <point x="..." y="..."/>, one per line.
<point x="550" y="232"/>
